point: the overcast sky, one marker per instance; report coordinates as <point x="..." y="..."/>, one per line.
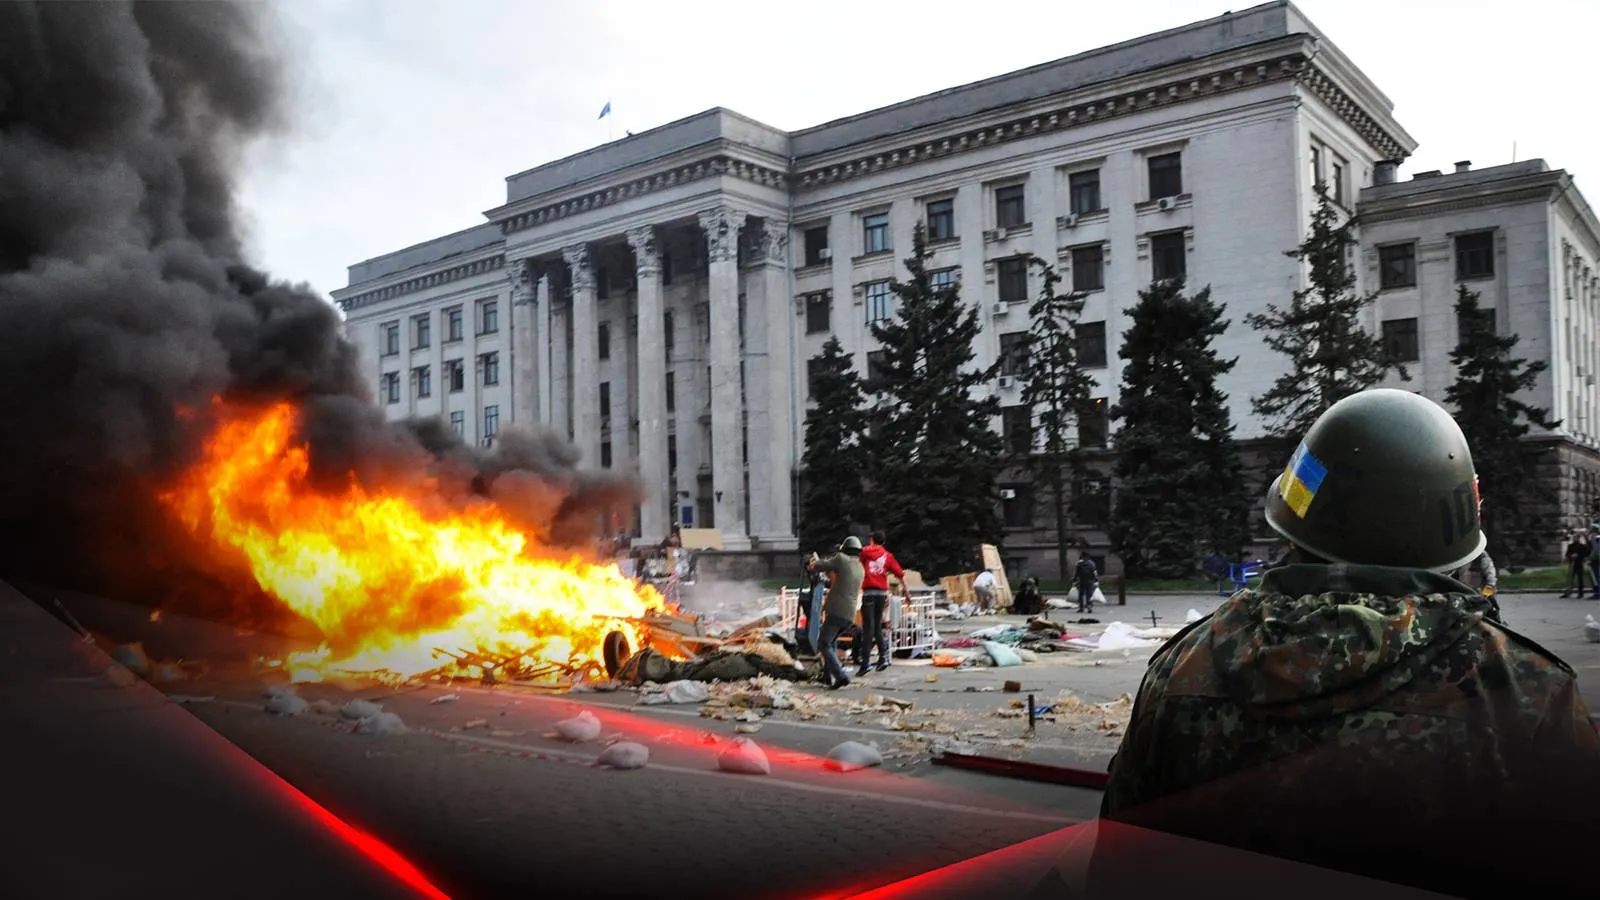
<point x="411" y="113"/>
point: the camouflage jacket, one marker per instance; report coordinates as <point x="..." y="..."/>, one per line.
<point x="1367" y="719"/>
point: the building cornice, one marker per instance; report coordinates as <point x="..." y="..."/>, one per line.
<point x="1388" y="140"/>
<point x="523" y="216"/>
<point x="1531" y="189"/>
<point x="486" y="262"/>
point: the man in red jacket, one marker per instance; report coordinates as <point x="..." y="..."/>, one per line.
<point x="878" y="563"/>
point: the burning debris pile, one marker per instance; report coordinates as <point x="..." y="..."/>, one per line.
<point x="181" y="429"/>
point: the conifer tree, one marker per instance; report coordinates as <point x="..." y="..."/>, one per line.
<point x="1331" y="356"/>
<point x="935" y="446"/>
<point x="835" y="459"/>
<point x="1181" y="490"/>
<point x="1055" y="388"/>
<point x="1485" y="401"/>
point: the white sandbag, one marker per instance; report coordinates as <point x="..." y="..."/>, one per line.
<point x="1122" y="636"/>
<point x="133" y="657"/>
<point x="1194" y="615"/>
<point x="744" y="757"/>
<point x="625" y="755"/>
<point x="1058" y="603"/>
<point x="360" y="709"/>
<point x="381" y="724"/>
<point x="1591" y="630"/>
<point x="324" y="708"/>
<point x="1001" y="654"/>
<point x="277" y="690"/>
<point x="286" y="705"/>
<point x="584" y="726"/>
<point x="687" y="692"/>
<point x="852" y="755"/>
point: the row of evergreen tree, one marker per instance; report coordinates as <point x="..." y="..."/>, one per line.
<point x="910" y="448"/>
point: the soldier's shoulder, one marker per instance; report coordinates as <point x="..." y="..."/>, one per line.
<point x="1175" y="646"/>
<point x="1523" y="651"/>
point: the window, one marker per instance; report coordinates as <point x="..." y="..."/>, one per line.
<point x="1088" y="268"/>
<point x="490" y="364"/>
<point x="1091" y="503"/>
<point x="818" y="306"/>
<point x="488" y="317"/>
<point x="1016" y="505"/>
<point x="605" y="401"/>
<point x="672" y="392"/>
<point x="602" y="283"/>
<point x="424" y="381"/>
<point x="666" y="267"/>
<point x="877" y="363"/>
<point x="1316" y="166"/>
<point x="1168" y="258"/>
<point x="672" y="454"/>
<point x="875" y="233"/>
<point x="1486" y="316"/>
<point x="666" y="331"/>
<point x="391" y="338"/>
<point x="458" y="423"/>
<point x="879" y="305"/>
<point x="605" y="340"/>
<point x="1400" y="340"/>
<point x="1338" y="182"/>
<point x="1012" y="274"/>
<point x="1014" y="353"/>
<point x="452" y="324"/>
<point x="1397" y="266"/>
<point x="421" y="331"/>
<point x="491" y="421"/>
<point x="1010" y="206"/>
<point x="1475" y="255"/>
<point x="1084" y="190"/>
<point x="1166" y="175"/>
<point x="941" y="220"/>
<point x="1094" y="424"/>
<point x="455" y="376"/>
<point x="605" y="454"/>
<point x="1091" y="344"/>
<point x="816" y="245"/>
<point x="944" y="278"/>
<point x="1016" y="429"/>
<point x="390" y="388"/>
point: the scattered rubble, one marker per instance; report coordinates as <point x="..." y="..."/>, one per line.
<point x="674" y="692"/>
<point x="583" y="727"/>
<point x="286" y="704"/>
<point x="383" y="723"/>
<point x="360" y="709"/>
<point x="447" y="698"/>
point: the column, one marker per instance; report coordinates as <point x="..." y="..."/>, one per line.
<point x="769" y="318"/>
<point x="722" y="226"/>
<point x="546" y="344"/>
<point x="560" y="360"/>
<point x="650" y="367"/>
<point x="524" y="343"/>
<point x="585" y="356"/>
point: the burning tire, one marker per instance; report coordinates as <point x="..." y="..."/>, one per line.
<point x="616" y="652"/>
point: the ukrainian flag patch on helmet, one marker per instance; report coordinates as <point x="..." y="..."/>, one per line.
<point x="1301" y="479"/>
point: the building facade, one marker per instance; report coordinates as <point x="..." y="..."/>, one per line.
<point x="658" y="298"/>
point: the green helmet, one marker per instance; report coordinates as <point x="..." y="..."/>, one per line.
<point x="851" y="544"/>
<point x="1384" y="478"/>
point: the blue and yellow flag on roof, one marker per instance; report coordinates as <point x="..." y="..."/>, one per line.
<point x="1301" y="479"/>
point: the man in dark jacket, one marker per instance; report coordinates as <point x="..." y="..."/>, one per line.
<point x="1357" y="710"/>
<point x="1087" y="580"/>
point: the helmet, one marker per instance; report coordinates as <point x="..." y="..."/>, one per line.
<point x="851" y="544"/>
<point x="1384" y="477"/>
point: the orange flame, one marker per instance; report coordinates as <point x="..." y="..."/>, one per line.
<point x="388" y="577"/>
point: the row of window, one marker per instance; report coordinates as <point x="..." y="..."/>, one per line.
<point x="1091" y="503"/>
<point x="487" y="317"/>
<point x="1474" y="254"/>
<point x="1010" y="205"/>
<point x="455" y="378"/>
<point x="1168" y="259"/>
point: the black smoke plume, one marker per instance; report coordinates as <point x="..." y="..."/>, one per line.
<point x="124" y="299"/>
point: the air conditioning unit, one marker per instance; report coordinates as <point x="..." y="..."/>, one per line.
<point x="1070" y="220"/>
<point x="1002" y="308"/>
<point x="1005" y="381"/>
<point x="825" y="254"/>
<point x="1167" y="204"/>
<point x="994" y="234"/>
<point x="1008" y="494"/>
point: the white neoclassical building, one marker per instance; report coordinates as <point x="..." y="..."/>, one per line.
<point x="658" y="297"/>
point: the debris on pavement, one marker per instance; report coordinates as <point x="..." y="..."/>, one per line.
<point x="744" y="757"/>
<point x="360" y="709"/>
<point x="674" y="692"/>
<point x="133" y="657"/>
<point x="851" y="756"/>
<point x="286" y="704"/>
<point x="1591" y="630"/>
<point x="624" y="755"/>
<point x="585" y="726"/>
<point x="447" y="698"/>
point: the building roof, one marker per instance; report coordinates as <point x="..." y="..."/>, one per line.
<point x="426" y="253"/>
